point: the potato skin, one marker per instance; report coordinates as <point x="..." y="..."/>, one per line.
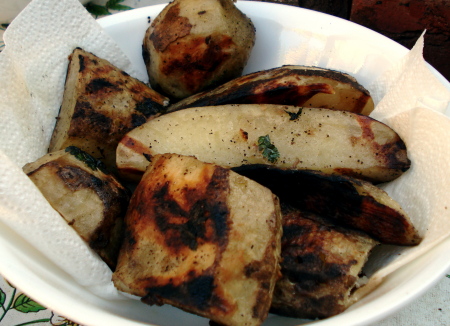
<point x="193" y="45"/>
<point x="331" y="141"/>
<point x="343" y="200"/>
<point x="101" y="104"/>
<point x="89" y="198"/>
<point x="321" y="266"/>
<point x="288" y="85"/>
<point x="202" y="238"/>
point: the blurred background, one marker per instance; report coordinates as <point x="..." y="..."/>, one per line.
<point x="401" y="20"/>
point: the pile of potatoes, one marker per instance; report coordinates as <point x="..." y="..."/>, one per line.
<point x="227" y="196"/>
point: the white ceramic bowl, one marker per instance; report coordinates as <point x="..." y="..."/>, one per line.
<point x="280" y="33"/>
<point x="11" y="8"/>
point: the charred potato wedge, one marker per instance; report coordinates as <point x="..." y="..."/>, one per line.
<point x="101" y="103"/>
<point x="193" y="45"/>
<point x="331" y="141"/>
<point x="90" y="199"/>
<point x="343" y="200"/>
<point x="289" y="85"/>
<point x="201" y="238"/>
<point x="321" y="266"/>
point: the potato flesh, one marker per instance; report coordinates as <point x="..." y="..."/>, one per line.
<point x="233" y="256"/>
<point x="83" y="218"/>
<point x="91" y="202"/>
<point x="318" y="139"/>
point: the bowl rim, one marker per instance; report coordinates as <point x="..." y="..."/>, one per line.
<point x="27" y="273"/>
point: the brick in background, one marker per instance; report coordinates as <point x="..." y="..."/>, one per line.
<point x="284" y="2"/>
<point x="338" y="8"/>
<point x="405" y="20"/>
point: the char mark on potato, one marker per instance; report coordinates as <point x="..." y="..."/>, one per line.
<point x="169" y="30"/>
<point x="338" y="198"/>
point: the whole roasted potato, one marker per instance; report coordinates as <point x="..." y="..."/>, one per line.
<point x="193" y="45"/>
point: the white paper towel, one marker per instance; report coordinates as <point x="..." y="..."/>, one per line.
<point x="413" y="101"/>
<point x="32" y="73"/>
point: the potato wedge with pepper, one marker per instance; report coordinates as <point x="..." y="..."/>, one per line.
<point x="101" y="103"/>
<point x="201" y="238"/>
<point x="289" y="85"/>
<point x="86" y="195"/>
<point x="193" y="45"/>
<point x="331" y="141"/>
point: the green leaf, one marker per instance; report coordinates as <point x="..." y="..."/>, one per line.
<point x="119" y="7"/>
<point x="87" y="159"/>
<point x="294" y="116"/>
<point x="269" y="151"/>
<point x="2" y="297"/>
<point x="115" y="4"/>
<point x="25" y="304"/>
<point x="97" y="10"/>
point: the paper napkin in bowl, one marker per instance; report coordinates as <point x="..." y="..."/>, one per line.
<point x="414" y="102"/>
<point x="32" y="73"/>
<point x="10" y="9"/>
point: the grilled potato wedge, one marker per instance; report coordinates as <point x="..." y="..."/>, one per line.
<point x="289" y="85"/>
<point x="90" y="199"/>
<point x="201" y="238"/>
<point x="193" y="45"/>
<point x="101" y="104"/>
<point x="331" y="141"/>
<point x="321" y="266"/>
<point x="344" y="200"/>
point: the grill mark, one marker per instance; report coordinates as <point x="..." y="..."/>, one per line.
<point x="310" y="267"/>
<point x="196" y="292"/>
<point x="204" y="218"/>
<point x="87" y="118"/>
<point x="393" y="155"/>
<point x="101" y="85"/>
<point x="245" y="89"/>
<point x="195" y="60"/>
<point x="268" y="91"/>
<point x="136" y="146"/>
<point x="81" y="61"/>
<point x="149" y="108"/>
<point x="171" y="28"/>
<point x="114" y="199"/>
<point x="336" y="198"/>
<point x="255" y="270"/>
<point x="137" y="120"/>
<point x="361" y="102"/>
